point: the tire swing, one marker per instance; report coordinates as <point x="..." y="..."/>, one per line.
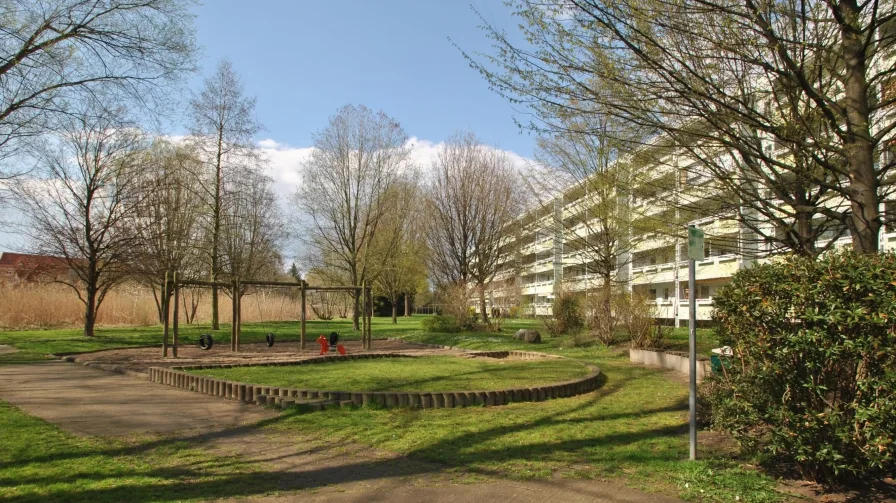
<point x="269" y="337"/>
<point x="206" y="342"/>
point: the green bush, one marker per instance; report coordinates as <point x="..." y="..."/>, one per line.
<point x="440" y="324"/>
<point x="567" y="315"/>
<point x="812" y="381"/>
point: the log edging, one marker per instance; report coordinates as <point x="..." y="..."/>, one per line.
<point x="251" y="393"/>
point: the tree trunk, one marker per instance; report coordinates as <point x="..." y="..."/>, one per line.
<point x="806" y="245"/>
<point x="395" y="313"/>
<point x="157" y="299"/>
<point x="407" y="304"/>
<point x="216" y="231"/>
<point x="863" y="182"/>
<point x="90" y="312"/>
<point x="608" y="308"/>
<point x="482" y="305"/>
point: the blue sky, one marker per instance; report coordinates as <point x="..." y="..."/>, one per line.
<point x="305" y="59"/>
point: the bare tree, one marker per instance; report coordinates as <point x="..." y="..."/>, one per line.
<point x="356" y="160"/>
<point x="784" y="103"/>
<point x="167" y="216"/>
<point x="223" y="124"/>
<point x="55" y="54"/>
<point x="251" y="229"/>
<point x="472" y="199"/>
<point x="77" y="205"/>
<point x="401" y="244"/>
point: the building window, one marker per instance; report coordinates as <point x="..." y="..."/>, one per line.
<point x="704" y="292"/>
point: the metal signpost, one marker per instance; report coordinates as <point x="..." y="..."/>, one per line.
<point x="695" y="253"/>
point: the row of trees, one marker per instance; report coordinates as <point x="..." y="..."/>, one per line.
<point x="373" y="219"/>
<point x="83" y="84"/>
<point x="119" y="205"/>
<point x="371" y="216"/>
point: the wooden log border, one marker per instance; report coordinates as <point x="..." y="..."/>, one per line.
<point x="251" y="393"/>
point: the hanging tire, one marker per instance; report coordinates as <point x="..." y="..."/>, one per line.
<point x="269" y="338"/>
<point x="206" y="342"/>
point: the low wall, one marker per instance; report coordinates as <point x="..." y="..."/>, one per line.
<point x="675" y="360"/>
<point x="272" y="395"/>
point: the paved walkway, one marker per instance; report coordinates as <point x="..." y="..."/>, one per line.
<point x="87" y="401"/>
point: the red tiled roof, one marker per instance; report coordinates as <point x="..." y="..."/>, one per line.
<point x="24" y="260"/>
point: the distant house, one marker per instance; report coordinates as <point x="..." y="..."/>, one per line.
<point x="16" y="268"/>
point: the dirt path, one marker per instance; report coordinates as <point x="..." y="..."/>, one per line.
<point x="87" y="401"/>
<point x="4" y="349"/>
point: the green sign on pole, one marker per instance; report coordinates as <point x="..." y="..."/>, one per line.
<point x="695" y="243"/>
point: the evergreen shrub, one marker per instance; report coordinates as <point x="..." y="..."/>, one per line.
<point x="812" y="379"/>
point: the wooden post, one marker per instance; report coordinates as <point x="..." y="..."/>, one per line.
<point x="303" y="316"/>
<point x="233" y="302"/>
<point x="176" y="312"/>
<point x="165" y="316"/>
<point x="370" y="317"/>
<point x="362" y="291"/>
<point x="239" y="315"/>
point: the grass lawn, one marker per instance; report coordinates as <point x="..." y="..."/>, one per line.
<point x="633" y="430"/>
<point x="40" y="463"/>
<point x="428" y="373"/>
<point x="36" y="344"/>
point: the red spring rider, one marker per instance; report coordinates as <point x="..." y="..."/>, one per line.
<point x="324" y="344"/>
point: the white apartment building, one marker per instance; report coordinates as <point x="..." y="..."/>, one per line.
<point x="543" y="257"/>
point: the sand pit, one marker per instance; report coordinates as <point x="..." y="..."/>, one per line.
<point x="140" y="359"/>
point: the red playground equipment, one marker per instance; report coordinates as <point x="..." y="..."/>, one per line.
<point x="325" y="344"/>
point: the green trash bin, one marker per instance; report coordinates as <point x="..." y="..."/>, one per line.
<point x="720" y="358"/>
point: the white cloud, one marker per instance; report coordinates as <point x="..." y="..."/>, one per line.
<point x="285" y="162"/>
<point x="284" y="167"/>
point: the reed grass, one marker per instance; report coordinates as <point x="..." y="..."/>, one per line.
<point x="33" y="306"/>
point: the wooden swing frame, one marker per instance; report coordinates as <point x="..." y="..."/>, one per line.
<point x="172" y="285"/>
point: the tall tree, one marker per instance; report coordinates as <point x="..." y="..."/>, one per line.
<point x="357" y="158"/>
<point x="167" y="216"/>
<point x="78" y="202"/>
<point x="472" y="199"/>
<point x="401" y="244"/>
<point x="55" y="54"/>
<point x="222" y="126"/>
<point x="251" y="229"/>
<point x="785" y="103"/>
